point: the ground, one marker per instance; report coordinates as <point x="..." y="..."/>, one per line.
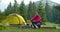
<point x="12" y="29"/>
<point x="31" y="30"/>
<point x="16" y="29"/>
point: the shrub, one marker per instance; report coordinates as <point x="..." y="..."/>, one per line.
<point x="2" y="27"/>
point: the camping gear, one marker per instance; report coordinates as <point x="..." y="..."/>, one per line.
<point x="14" y="19"/>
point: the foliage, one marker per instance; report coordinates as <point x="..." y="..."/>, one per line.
<point x="2" y="26"/>
<point x="8" y="10"/>
<point x="15" y="7"/>
<point x="23" y="10"/>
<point x="57" y="7"/>
<point x="42" y="11"/>
<point x="57" y="14"/>
<point x="31" y="10"/>
<point x="53" y="13"/>
<point x="12" y="9"/>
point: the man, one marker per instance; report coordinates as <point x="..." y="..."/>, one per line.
<point x="36" y="20"/>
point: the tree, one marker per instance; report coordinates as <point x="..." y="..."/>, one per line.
<point x="41" y="11"/>
<point x="9" y="9"/>
<point x="23" y="10"/>
<point x="57" y="7"/>
<point x="57" y="14"/>
<point x="31" y="10"/>
<point x="15" y="7"/>
<point x="34" y="8"/>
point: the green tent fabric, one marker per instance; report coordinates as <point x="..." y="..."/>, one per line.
<point x="14" y="19"/>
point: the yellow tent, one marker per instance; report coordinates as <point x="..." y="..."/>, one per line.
<point x="14" y="19"/>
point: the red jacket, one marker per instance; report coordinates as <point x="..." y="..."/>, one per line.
<point x="37" y="19"/>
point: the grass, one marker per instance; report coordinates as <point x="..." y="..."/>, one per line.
<point x="51" y="24"/>
<point x="15" y="29"/>
<point x="31" y="30"/>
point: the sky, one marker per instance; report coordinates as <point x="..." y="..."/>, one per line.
<point x="4" y="3"/>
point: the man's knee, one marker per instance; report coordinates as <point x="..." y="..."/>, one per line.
<point x="38" y="24"/>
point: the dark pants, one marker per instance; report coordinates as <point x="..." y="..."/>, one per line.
<point x="35" y="23"/>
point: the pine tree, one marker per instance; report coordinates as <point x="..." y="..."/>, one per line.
<point x="56" y="14"/>
<point x="41" y="11"/>
<point x="31" y="10"/>
<point x="23" y="10"/>
<point x="9" y="9"/>
<point x="15" y="7"/>
<point x="34" y="8"/>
